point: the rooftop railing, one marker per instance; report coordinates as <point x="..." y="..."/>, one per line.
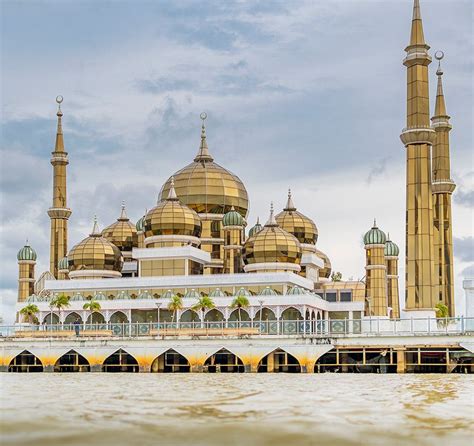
<point x="285" y="328"/>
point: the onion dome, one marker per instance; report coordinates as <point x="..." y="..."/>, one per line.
<point x="375" y="236"/>
<point x="95" y="253"/>
<point x="296" y="290"/>
<point x="294" y="222"/>
<point x="63" y="264"/>
<point x="324" y="272"/>
<point x="122" y="233"/>
<point x="171" y="217"/>
<point x="233" y="218"/>
<point x="145" y="294"/>
<point x="140" y="224"/>
<point x="168" y="295"/>
<point x="26" y="253"/>
<point x="272" y="245"/>
<point x="217" y="293"/>
<point x="206" y="187"/>
<point x="243" y="292"/>
<point x="100" y="296"/>
<point x="123" y="295"/>
<point x="76" y="297"/>
<point x="192" y="294"/>
<point x="267" y="291"/>
<point x="391" y="249"/>
<point x="32" y="298"/>
<point x="255" y="229"/>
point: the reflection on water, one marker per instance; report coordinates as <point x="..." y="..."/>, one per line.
<point x="249" y="409"/>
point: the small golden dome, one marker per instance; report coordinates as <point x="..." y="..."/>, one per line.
<point x="294" y="222"/>
<point x="95" y="253"/>
<point x="324" y="272"/>
<point x="170" y="217"/>
<point x="122" y="233"/>
<point x="272" y="244"/>
<point x="206" y="187"/>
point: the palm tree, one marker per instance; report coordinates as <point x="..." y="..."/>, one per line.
<point x="442" y="314"/>
<point x="176" y="304"/>
<point x="59" y="302"/>
<point x="336" y="276"/>
<point x="29" y="313"/>
<point x="240" y="302"/>
<point x="204" y="303"/>
<point x="93" y="306"/>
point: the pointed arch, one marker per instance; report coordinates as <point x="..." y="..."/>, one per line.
<point x="71" y="318"/>
<point x="224" y="361"/>
<point x="95" y="318"/>
<point x="267" y="315"/>
<point x="214" y="315"/>
<point x="244" y="316"/>
<point x="120" y="361"/>
<point x="72" y="361"/>
<point x="118" y="317"/>
<point x="48" y="317"/>
<point x="189" y="316"/>
<point x="279" y="361"/>
<point x="25" y="362"/>
<point x="170" y="362"/>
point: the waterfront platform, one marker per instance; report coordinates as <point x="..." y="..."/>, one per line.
<point x="381" y="346"/>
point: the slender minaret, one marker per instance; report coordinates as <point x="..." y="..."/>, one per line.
<point x="233" y="224"/>
<point x="442" y="188"/>
<point x="59" y="212"/>
<point x="418" y="137"/>
<point x="26" y="272"/>
<point x="391" y="262"/>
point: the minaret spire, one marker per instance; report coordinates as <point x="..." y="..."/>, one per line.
<point x="418" y="137"/>
<point x="123" y="213"/>
<point x="289" y="204"/>
<point x="442" y="187"/>
<point x="95" y="229"/>
<point x="59" y="212"/>
<point x="203" y="153"/>
<point x="271" y="220"/>
<point x="172" y="192"/>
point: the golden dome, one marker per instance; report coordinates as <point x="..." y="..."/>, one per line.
<point x="122" y="233"/>
<point x="294" y="222"/>
<point x="324" y="272"/>
<point x="95" y="253"/>
<point x="272" y="245"/>
<point x="206" y="187"/>
<point x="170" y="217"/>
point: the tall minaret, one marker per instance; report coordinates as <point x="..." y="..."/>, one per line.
<point x="442" y="187"/>
<point x="59" y="212"/>
<point x="418" y="137"/>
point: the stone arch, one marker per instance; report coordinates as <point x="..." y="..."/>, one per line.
<point x="95" y="318"/>
<point x="118" y="317"/>
<point x="267" y="315"/>
<point x="279" y="361"/>
<point x="214" y="315"/>
<point x="120" y="361"/>
<point x="244" y="316"/>
<point x="224" y="361"/>
<point x="47" y="319"/>
<point x="170" y="362"/>
<point x="72" y="361"/>
<point x="327" y="362"/>
<point x="291" y="314"/>
<point x="189" y="316"/>
<point x="25" y="362"/>
<point x="71" y="318"/>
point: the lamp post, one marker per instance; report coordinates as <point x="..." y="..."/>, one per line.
<point x="51" y="315"/>
<point x="260" y="318"/>
<point x="158" y="305"/>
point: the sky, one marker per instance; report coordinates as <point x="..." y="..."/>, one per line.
<point x="302" y="94"/>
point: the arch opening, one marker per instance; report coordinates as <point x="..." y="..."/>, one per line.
<point x="224" y="361"/>
<point x="119" y="318"/>
<point x="120" y="361"/>
<point x="279" y="361"/>
<point x="72" y="362"/>
<point x="25" y="362"/>
<point x="170" y="362"/>
<point x="71" y="318"/>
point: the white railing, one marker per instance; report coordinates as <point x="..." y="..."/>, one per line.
<point x="291" y="328"/>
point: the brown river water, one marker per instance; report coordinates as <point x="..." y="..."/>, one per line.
<point x="230" y="409"/>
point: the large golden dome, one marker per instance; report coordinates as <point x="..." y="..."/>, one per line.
<point x="206" y="187"/>
<point x="122" y="233"/>
<point x="272" y="245"/>
<point x="170" y="217"/>
<point x="294" y="222"/>
<point x="95" y="253"/>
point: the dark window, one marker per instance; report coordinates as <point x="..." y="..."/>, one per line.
<point x="345" y="296"/>
<point x="331" y="296"/>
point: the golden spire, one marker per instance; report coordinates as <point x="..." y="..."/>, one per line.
<point x="417" y="37"/>
<point x="172" y="192"/>
<point x="95" y="229"/>
<point x="440" y="107"/>
<point x="271" y="220"/>
<point x="59" y="146"/>
<point x="123" y="213"/>
<point x="203" y="153"/>
<point x="289" y="204"/>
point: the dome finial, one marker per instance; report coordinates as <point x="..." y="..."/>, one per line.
<point x="375" y="223"/>
<point x="440" y="104"/>
<point x="271" y="220"/>
<point x="123" y="213"/>
<point x="59" y="146"/>
<point x="203" y="153"/>
<point x="289" y="204"/>
<point x="172" y="192"/>
<point x="95" y="229"/>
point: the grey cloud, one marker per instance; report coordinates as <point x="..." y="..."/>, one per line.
<point x="163" y="84"/>
<point x="378" y="169"/>
<point x="464" y="197"/>
<point x="468" y="272"/>
<point x="464" y="248"/>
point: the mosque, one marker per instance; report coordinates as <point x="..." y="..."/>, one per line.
<point x="196" y="242"/>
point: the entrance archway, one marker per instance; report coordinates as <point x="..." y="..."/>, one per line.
<point x="225" y="362"/>
<point x="170" y="362"/>
<point x="71" y="318"/>
<point x="25" y="362"/>
<point x="120" y="361"/>
<point x="279" y="361"/>
<point x="72" y="362"/>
